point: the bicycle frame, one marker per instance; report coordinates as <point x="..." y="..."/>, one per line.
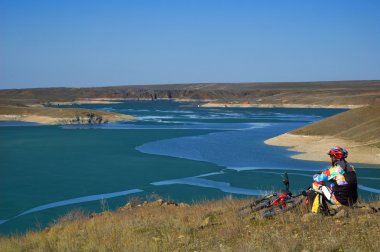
<point x="274" y="203"/>
<point x="281" y="199"/>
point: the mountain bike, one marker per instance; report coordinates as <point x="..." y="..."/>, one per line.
<point x="273" y="204"/>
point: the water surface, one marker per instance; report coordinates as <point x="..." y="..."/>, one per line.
<point x="177" y="150"/>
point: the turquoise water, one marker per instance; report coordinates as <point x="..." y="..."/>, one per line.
<point x="176" y="150"/>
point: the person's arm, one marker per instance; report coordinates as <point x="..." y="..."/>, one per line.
<point x="322" y="177"/>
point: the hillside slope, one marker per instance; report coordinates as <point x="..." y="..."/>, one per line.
<point x="207" y="226"/>
<point x="360" y="125"/>
<point x="358" y="130"/>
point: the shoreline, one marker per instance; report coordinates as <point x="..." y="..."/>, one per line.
<point x="274" y="105"/>
<point x="56" y="116"/>
<point x="106" y="100"/>
<point x="50" y="120"/>
<point x="79" y="102"/>
<point x="314" y="148"/>
<point x="206" y="103"/>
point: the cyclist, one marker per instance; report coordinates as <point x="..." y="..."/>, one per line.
<point x="343" y="189"/>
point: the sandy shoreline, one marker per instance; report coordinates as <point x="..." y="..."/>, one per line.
<point x="106" y="100"/>
<point x="33" y="118"/>
<point x="314" y="148"/>
<point x="87" y="101"/>
<point x="261" y="105"/>
<point x="206" y="103"/>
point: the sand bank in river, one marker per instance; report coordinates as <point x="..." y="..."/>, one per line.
<point x="33" y="118"/>
<point x="88" y="101"/>
<point x="47" y="115"/>
<point x="315" y="148"/>
<point x="51" y="120"/>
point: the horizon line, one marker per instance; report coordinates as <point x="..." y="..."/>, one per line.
<point x="186" y="83"/>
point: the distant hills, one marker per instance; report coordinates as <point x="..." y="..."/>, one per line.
<point x="358" y="128"/>
<point x="332" y="93"/>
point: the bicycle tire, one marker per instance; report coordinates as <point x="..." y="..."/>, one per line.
<point x="286" y="206"/>
<point x="263" y="204"/>
<point x="257" y="205"/>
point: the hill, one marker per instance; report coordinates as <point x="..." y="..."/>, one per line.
<point x="361" y="125"/>
<point x="206" y="226"/>
<point x="358" y="130"/>
<point x="320" y="94"/>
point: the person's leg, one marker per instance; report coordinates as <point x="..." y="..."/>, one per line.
<point x="329" y="195"/>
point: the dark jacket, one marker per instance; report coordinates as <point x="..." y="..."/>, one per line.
<point x="347" y="194"/>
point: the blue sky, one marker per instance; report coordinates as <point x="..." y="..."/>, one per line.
<point x="99" y="43"/>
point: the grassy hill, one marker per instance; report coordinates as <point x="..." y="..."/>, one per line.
<point x="207" y="226"/>
<point x="361" y="125"/>
<point x="358" y="130"/>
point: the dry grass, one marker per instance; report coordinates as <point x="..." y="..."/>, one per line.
<point x="360" y="125"/>
<point x="208" y="226"/>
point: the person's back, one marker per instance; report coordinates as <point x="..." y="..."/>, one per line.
<point x="347" y="193"/>
<point x="342" y="175"/>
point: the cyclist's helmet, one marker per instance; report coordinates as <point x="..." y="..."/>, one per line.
<point x="338" y="152"/>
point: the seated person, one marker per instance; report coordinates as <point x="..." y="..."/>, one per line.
<point x="343" y="189"/>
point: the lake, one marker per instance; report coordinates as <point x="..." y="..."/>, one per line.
<point x="176" y="150"/>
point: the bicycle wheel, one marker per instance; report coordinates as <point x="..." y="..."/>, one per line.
<point x="286" y="206"/>
<point x="261" y="205"/>
<point x="257" y="205"/>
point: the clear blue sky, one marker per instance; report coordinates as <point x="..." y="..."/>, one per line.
<point x="98" y="43"/>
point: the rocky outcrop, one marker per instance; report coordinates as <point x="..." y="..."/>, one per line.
<point x="89" y="118"/>
<point x="157" y="203"/>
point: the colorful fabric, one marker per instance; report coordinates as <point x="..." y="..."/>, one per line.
<point x="335" y="173"/>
